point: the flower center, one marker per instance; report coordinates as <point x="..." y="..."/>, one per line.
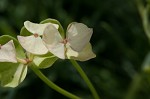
<point x="64" y="41"/>
<point x="27" y="60"/>
<point x="35" y="35"/>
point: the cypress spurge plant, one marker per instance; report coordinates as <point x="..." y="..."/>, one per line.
<point x="44" y="43"/>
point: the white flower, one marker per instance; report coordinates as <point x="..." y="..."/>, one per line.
<point x="34" y="43"/>
<point x="76" y="45"/>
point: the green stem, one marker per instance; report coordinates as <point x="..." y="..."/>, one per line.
<point x="86" y="79"/>
<point x="134" y="86"/>
<point x="51" y="84"/>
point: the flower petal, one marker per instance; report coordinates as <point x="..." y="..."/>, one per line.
<point x="78" y="35"/>
<point x="84" y="55"/>
<point x="33" y="44"/>
<point x="53" y="41"/>
<point x="8" y="53"/>
<point x="18" y="48"/>
<point x="37" y="28"/>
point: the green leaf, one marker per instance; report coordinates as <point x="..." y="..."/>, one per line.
<point x="44" y="61"/>
<point x="60" y="29"/>
<point x="19" y="50"/>
<point x="25" y="32"/>
<point x="12" y="74"/>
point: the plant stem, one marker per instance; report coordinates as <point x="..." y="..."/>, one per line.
<point x="51" y="84"/>
<point x="134" y="86"/>
<point x="86" y="79"/>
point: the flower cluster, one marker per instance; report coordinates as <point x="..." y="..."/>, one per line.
<point x="44" y="43"/>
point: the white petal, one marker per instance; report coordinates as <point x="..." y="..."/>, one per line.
<point x="37" y="28"/>
<point x="53" y="41"/>
<point x="78" y="35"/>
<point x="84" y="55"/>
<point x="8" y="53"/>
<point x="33" y="44"/>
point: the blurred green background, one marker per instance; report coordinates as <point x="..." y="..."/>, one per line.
<point x="118" y="40"/>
